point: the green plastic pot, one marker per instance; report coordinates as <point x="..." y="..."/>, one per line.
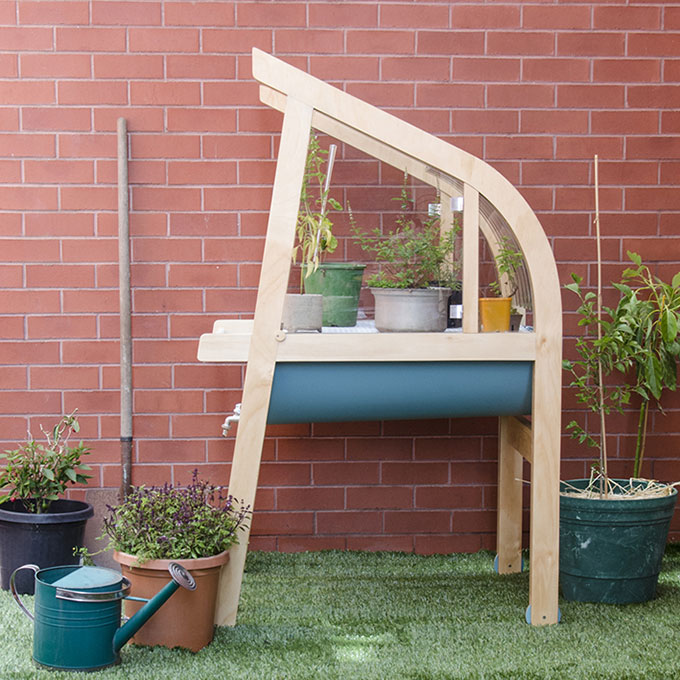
<point x="340" y="285"/>
<point x="611" y="550"/>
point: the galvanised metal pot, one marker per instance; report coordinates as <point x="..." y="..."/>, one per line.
<point x="77" y="621"/>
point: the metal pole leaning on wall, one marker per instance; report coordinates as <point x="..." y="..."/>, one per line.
<point x="125" y="312"/>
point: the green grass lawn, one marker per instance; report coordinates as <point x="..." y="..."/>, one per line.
<point x="392" y="615"/>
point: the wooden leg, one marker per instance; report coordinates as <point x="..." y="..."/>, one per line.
<point x="509" y="517"/>
<point x="265" y="339"/>
<point x="545" y="504"/>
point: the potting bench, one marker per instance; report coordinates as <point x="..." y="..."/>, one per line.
<point x="278" y="362"/>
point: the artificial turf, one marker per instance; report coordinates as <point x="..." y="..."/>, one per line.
<point x="394" y="615"/>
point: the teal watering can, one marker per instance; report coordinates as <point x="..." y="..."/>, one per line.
<point x="77" y="621"/>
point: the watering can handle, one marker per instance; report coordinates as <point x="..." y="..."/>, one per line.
<point x="12" y="587"/>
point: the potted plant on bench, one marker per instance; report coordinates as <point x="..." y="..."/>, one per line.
<point x="418" y="270"/>
<point x="496" y="312"/>
<point x="329" y="291"/>
<point x="37" y="525"/>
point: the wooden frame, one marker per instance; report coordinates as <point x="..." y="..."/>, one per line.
<point x="308" y="102"/>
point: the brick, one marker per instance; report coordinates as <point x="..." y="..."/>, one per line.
<point x="450" y="42"/>
<point x="60" y="224"/>
<point x="555" y="70"/>
<point x="555" y="17"/>
<point x="474" y="521"/>
<point x="280" y="14"/>
<point x="237" y="198"/>
<point x="32" y="301"/>
<point x="447" y="95"/>
<point x="485" y="17"/>
<point x="445" y="448"/>
<point x="448" y="497"/>
<point x="10" y="173"/>
<point x="379" y="449"/>
<point x="277" y="523"/>
<point x="79" y="301"/>
<point x="13" y="378"/>
<point x="671" y="70"/>
<point x="164" y="451"/>
<point x="260" y="120"/>
<point x="591" y="96"/>
<point x="64" y="377"/>
<point x="81" y="198"/>
<point x="408" y="16"/>
<point x="310" y="449"/>
<point x="66" y="276"/>
<point x="126" y="13"/>
<point x="416" y="68"/>
<point x="380" y="42"/>
<point x="164" y="146"/>
<point x="164" y="40"/>
<point x="653" y="44"/>
<point x="139" y="120"/>
<point x="308" y="543"/>
<point x="379" y="497"/>
<point x="128" y="66"/>
<point x="15" y="353"/>
<point x="485" y="69"/>
<point x="165" y="198"/>
<point x="55" y="65"/>
<point x="25" y="145"/>
<point x="423" y="522"/>
<point x="520" y="147"/>
<point x="336" y="14"/>
<point x="591" y="43"/>
<point x="328" y="474"/>
<point x="622" y="18"/>
<point x="546" y="172"/>
<point x="345" y="68"/>
<point x="285" y="474"/>
<point x="21" y="402"/>
<point x="520" y="43"/>
<point x="377" y="543"/>
<point x="199" y="14"/>
<point x="237" y="146"/>
<point x="624" y="122"/>
<point x="54" y="119"/>
<point x="308" y="41"/>
<point x="24" y="197"/>
<point x="62" y="326"/>
<point x="652" y="198"/>
<point x="338" y="522"/>
<point x="586" y="147"/>
<point x="201" y="120"/>
<point x="202" y="275"/>
<point x="474" y="473"/>
<point x="165" y="93"/>
<point x="303" y="498"/>
<point x="11" y="276"/>
<point x="239" y="41"/>
<point x="565" y="122"/>
<point x="9" y="119"/>
<point x="231" y="301"/>
<point x="9" y="66"/>
<point x="653" y="96"/>
<point x="12" y="327"/>
<point x="200" y="66"/>
<point x="90" y="39"/>
<point x="26" y="92"/>
<point x="566" y="197"/>
<point x="626" y="70"/>
<point x="203" y="224"/>
<point x="24" y="39"/>
<point x="48" y="13"/>
<point x="87" y="146"/>
<point x="226" y="93"/>
<point x="657" y="147"/>
<point x="415" y="473"/>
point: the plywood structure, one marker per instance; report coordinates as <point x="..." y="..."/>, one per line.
<point x="489" y="201"/>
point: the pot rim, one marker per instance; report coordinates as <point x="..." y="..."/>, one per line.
<point x="129" y="560"/>
<point x="78" y="512"/>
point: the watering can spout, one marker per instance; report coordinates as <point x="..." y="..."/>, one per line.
<point x="180" y="577"/>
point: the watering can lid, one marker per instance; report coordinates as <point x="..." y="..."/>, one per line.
<point x="88" y="577"/>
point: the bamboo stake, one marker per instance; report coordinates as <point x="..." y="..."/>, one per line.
<point x="604" y="479"/>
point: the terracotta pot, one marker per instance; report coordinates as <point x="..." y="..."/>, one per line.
<point x="187" y="618"/>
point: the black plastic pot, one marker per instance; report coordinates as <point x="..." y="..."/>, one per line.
<point x="47" y="540"/>
<point x="611" y="550"/>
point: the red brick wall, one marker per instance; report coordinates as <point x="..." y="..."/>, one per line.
<point x="534" y="88"/>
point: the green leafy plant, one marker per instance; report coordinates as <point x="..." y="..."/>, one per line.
<point x="314" y="228"/>
<point x="414" y="254"/>
<point x="651" y="308"/>
<point x="640" y="337"/>
<point x="173" y="522"/>
<point x="36" y="473"/>
<point x="509" y="262"/>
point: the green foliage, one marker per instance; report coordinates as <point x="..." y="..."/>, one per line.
<point x="509" y="261"/>
<point x="314" y="228"/>
<point x="36" y="474"/>
<point x="639" y="336"/>
<point x="172" y="522"/>
<point x="414" y="254"/>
